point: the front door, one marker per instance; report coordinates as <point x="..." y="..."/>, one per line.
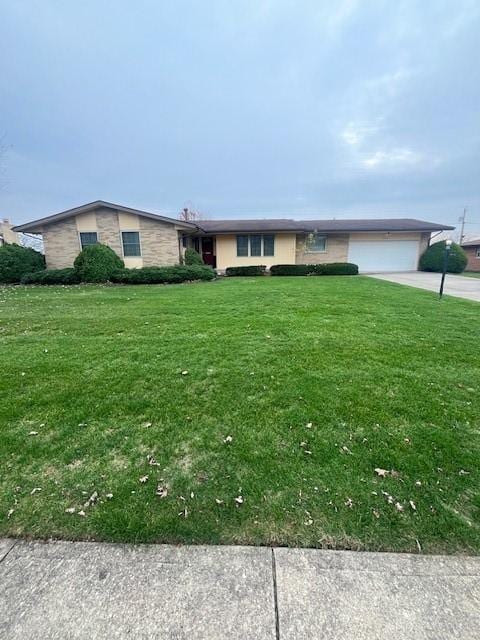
<point x="208" y="253"/>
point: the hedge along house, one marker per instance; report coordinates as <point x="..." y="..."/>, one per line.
<point x="148" y="239"/>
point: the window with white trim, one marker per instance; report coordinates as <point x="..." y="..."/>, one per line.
<point x="87" y="238"/>
<point x="477" y="254"/>
<point x="255" y="245"/>
<point x="316" y="243"/>
<point x="131" y="244"/>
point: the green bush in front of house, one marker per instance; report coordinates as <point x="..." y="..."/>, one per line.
<point x="433" y="257"/>
<point x="52" y="276"/>
<point x="163" y="275"/>
<point x="336" y="269"/>
<point x="252" y="270"/>
<point x="291" y="269"/>
<point x="192" y="257"/>
<point x="97" y="263"/>
<point x="17" y="261"/>
<point x="325" y="269"/>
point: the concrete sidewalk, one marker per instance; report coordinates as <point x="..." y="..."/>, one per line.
<point x="457" y="286"/>
<point x="90" y="590"/>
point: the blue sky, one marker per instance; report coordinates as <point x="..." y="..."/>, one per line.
<point x="242" y="109"/>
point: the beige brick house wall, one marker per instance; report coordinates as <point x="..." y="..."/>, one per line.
<point x="159" y="241"/>
<point x="336" y="250"/>
<point x="60" y="243"/>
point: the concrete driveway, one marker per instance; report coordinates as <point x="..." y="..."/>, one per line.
<point x="458" y="286"/>
<point x="86" y="590"/>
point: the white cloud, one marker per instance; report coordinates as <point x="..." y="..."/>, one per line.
<point x="394" y="159"/>
<point x="355" y="133"/>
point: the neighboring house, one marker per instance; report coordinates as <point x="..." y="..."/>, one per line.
<point x="7" y="235"/>
<point x="147" y="239"/>
<point x="472" y="249"/>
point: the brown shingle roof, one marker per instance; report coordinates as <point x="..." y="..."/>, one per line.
<point x="326" y="226"/>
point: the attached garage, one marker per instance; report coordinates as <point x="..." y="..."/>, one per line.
<point x="384" y="255"/>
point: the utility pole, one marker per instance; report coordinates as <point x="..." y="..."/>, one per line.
<point x="462" y="220"/>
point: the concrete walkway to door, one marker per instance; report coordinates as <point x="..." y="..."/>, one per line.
<point x="457" y="286"/>
<point x="86" y="590"/>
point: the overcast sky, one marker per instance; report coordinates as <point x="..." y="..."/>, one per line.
<point x="268" y="108"/>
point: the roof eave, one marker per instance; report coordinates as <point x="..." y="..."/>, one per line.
<point x="36" y="225"/>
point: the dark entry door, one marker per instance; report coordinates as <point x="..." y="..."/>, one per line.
<point x="207" y="251"/>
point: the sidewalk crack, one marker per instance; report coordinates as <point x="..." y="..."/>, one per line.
<point x="275" y="595"/>
<point x="8" y="552"/>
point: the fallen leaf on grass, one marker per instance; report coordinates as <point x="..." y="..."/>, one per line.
<point x="218" y="501"/>
<point x="92" y="499"/>
<point x="412" y="504"/>
<point x="228" y="439"/>
<point x="82" y="513"/>
<point x="143" y="479"/>
<point x="70" y="510"/>
<point x="383" y="473"/>
<point x="462" y="472"/>
<point x="109" y="496"/>
<point x="147" y="424"/>
<point x="161" y="491"/>
<point x="398" y="506"/>
<point x="10" y="513"/>
<point x="33" y="433"/>
<point x="184" y="373"/>
<point x="152" y="462"/>
<point x="349" y="503"/>
<point x="35" y="490"/>
<point x="239" y="500"/>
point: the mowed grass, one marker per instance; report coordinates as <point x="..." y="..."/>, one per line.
<point x="316" y="381"/>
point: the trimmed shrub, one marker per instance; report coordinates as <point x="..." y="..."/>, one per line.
<point x="253" y="270"/>
<point x="96" y="263"/>
<point x="192" y="257"/>
<point x="336" y="269"/>
<point x="327" y="269"/>
<point x="52" y="276"/>
<point x="292" y="269"/>
<point x="163" y="275"/>
<point x="17" y="261"/>
<point x="432" y="258"/>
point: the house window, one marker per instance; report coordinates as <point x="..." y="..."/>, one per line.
<point x="131" y="243"/>
<point x="242" y="246"/>
<point x="87" y="238"/>
<point x="316" y="242"/>
<point x="255" y="246"/>
<point x="477" y="254"/>
<point x="268" y="245"/>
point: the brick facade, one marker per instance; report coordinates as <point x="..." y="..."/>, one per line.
<point x="159" y="240"/>
<point x="336" y="250"/>
<point x="473" y="263"/>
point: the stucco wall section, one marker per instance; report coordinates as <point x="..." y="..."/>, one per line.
<point x="61" y="244"/>
<point x="226" y="247"/>
<point x="159" y="241"/>
<point x="473" y="263"/>
<point x="336" y="250"/>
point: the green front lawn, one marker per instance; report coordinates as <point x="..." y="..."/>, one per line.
<point x="282" y="393"/>
<point x="471" y="274"/>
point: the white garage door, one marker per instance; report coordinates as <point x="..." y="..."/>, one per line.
<point x="384" y="255"/>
